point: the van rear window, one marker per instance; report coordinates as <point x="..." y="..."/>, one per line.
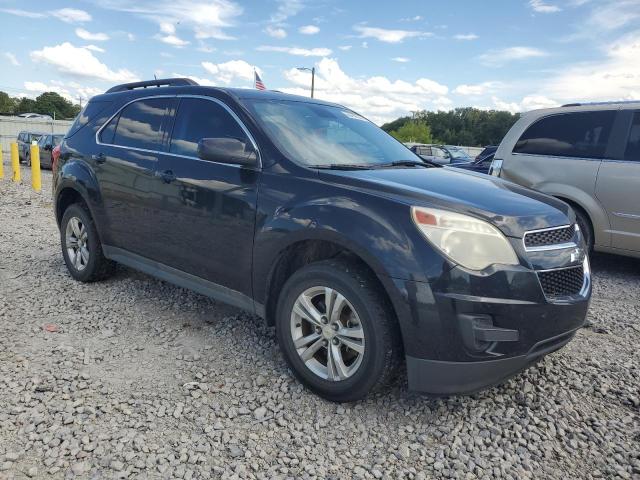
<point x="88" y="113"/>
<point x="575" y="134"/>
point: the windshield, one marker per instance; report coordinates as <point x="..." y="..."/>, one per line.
<point x="321" y="135"/>
<point x="458" y="153"/>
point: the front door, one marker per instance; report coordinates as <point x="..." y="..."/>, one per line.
<point x="618" y="189"/>
<point x="125" y="164"/>
<point x="206" y="210"/>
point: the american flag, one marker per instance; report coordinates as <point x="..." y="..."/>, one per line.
<point x="258" y="81"/>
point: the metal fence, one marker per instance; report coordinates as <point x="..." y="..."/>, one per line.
<point x="11" y="126"/>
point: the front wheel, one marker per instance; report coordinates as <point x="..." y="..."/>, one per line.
<point x="337" y="332"/>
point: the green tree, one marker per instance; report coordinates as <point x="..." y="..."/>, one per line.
<point x="7" y="103"/>
<point x="413" y="132"/>
<point x="53" y="104"/>
<point x="25" y="105"/>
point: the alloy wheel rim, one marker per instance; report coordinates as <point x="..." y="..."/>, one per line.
<point x="327" y="333"/>
<point x="77" y="243"/>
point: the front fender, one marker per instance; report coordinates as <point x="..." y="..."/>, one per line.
<point x="379" y="231"/>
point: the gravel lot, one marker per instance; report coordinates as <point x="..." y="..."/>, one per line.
<point x="139" y="378"/>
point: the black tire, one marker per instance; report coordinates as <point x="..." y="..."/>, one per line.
<point x="382" y="356"/>
<point x="97" y="267"/>
<point x="585" y="227"/>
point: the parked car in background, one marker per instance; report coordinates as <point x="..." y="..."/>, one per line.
<point x="587" y="155"/>
<point x="488" y="153"/>
<point x="55" y="154"/>
<point x="36" y="116"/>
<point x="303" y="212"/>
<point x="481" y="165"/>
<point x="46" y="144"/>
<point x="440" y="154"/>
<point x="24" y="141"/>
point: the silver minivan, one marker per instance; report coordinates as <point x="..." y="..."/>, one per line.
<point x="587" y="155"/>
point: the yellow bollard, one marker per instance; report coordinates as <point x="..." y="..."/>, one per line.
<point x="15" y="162"/>
<point x="36" y="181"/>
<point x="1" y="164"/>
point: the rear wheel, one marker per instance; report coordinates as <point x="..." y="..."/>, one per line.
<point x="336" y="331"/>
<point x="81" y="246"/>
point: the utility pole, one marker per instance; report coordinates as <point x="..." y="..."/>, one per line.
<point x="80" y="100"/>
<point x="313" y="76"/>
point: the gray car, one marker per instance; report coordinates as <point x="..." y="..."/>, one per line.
<point x="587" y="155"/>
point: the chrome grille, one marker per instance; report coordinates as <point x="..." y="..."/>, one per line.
<point x="562" y="282"/>
<point x="550" y="236"/>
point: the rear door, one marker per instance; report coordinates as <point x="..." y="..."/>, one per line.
<point x="125" y="164"/>
<point x="207" y="209"/>
<point x="618" y="185"/>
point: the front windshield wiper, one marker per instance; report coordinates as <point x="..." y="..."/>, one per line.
<point x="343" y="166"/>
<point x="406" y="163"/>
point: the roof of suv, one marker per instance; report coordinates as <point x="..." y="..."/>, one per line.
<point x="585" y="107"/>
<point x="177" y="86"/>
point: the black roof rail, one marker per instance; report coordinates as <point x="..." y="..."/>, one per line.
<point x="571" y="104"/>
<point x="160" y="82"/>
<point x="612" y="102"/>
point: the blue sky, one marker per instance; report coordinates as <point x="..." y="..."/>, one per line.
<point x="383" y="59"/>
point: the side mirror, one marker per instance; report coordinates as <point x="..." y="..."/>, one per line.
<point x="227" y="150"/>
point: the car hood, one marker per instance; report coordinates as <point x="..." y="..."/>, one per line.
<point x="510" y="207"/>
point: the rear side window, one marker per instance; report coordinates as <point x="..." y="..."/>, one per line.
<point x="139" y="124"/>
<point x="578" y="134"/>
<point x="88" y="113"/>
<point x="197" y="119"/>
<point x="632" y="152"/>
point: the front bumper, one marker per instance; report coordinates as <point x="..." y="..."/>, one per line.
<point x="464" y="333"/>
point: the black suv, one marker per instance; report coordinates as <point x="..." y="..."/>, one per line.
<point x="362" y="255"/>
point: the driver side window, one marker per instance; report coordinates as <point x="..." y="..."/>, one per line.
<point x="198" y="118"/>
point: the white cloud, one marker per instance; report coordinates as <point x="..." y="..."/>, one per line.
<point x="286" y="9"/>
<point x="529" y="102"/>
<point x="94" y="48"/>
<point x="401" y="59"/>
<point x="275" y="32"/>
<point x="172" y="40"/>
<point x="131" y="37"/>
<point x="540" y="6"/>
<point x="94" y="37"/>
<point x="72" y="91"/>
<point x="80" y="62"/>
<point x="616" y="77"/>
<point x="309" y="29"/>
<point x="611" y="15"/>
<point x="388" y="36"/>
<point x="466" y="36"/>
<point x="12" y="59"/>
<point x="231" y="71"/>
<point x="303" y="52"/>
<point x="207" y="18"/>
<point x="478" y="88"/>
<point x="71" y="15"/>
<point x="377" y="97"/>
<point x="415" y="18"/>
<point x="345" y="48"/>
<point x="497" y="58"/>
<point x="205" y="82"/>
<point x="23" y="13"/>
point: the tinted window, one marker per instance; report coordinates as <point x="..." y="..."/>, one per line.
<point x="582" y="134"/>
<point x="106" y="134"/>
<point x="197" y="119"/>
<point x="90" y="110"/>
<point x="139" y="124"/>
<point x="632" y="152"/>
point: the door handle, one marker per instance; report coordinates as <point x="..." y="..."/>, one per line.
<point x="167" y="176"/>
<point x="99" y="158"/>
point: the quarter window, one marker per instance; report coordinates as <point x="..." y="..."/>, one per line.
<point x="579" y="134"/>
<point x="197" y="119"/>
<point x="632" y="152"/>
<point x="138" y="125"/>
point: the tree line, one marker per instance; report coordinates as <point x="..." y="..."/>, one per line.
<point x="461" y="126"/>
<point x="47" y="103"/>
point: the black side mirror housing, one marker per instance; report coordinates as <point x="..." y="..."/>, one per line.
<point x="228" y="150"/>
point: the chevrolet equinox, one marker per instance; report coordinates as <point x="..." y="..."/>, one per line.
<point x="363" y="256"/>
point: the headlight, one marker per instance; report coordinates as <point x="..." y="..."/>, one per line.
<point x="470" y="242"/>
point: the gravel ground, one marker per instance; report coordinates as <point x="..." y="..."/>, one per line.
<point x="134" y="377"/>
